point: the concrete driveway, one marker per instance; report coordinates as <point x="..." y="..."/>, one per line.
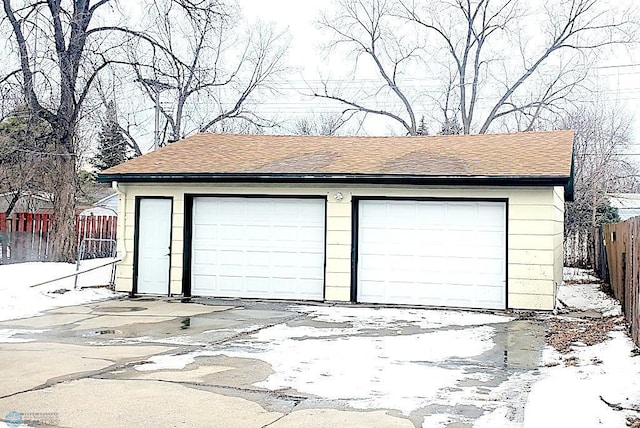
<point x="159" y="362"/>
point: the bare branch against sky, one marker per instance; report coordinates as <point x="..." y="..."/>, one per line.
<point x="500" y="64"/>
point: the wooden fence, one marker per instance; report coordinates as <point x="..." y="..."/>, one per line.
<point x="25" y="237"/>
<point x="617" y="261"/>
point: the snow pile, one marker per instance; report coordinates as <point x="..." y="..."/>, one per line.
<point x="21" y="300"/>
<point x="576" y="395"/>
<point x="584" y="295"/>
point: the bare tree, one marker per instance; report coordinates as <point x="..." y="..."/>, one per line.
<point x="321" y="124"/>
<point x="211" y="75"/>
<point x="366" y="29"/>
<point x="56" y="77"/>
<point x="600" y="165"/>
<point x="493" y="70"/>
<point x="62" y="46"/>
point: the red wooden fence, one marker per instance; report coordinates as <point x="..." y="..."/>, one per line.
<point x="25" y="236"/>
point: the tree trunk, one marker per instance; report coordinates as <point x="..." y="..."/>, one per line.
<point x="63" y="233"/>
<point x="14" y="201"/>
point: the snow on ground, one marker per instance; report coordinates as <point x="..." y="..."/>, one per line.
<point x="350" y="362"/>
<point x="390" y="358"/>
<point x="578" y="274"/>
<point x="392" y="372"/>
<point x="573" y="395"/>
<point x="20" y="300"/>
<point x="585" y="296"/>
<point x="570" y="396"/>
<point x="363" y="318"/>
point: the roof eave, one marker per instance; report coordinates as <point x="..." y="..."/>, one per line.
<point x="529" y="180"/>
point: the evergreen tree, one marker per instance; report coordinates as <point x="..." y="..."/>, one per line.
<point x="112" y="146"/>
<point x="605" y="213"/>
<point x="422" y="128"/>
<point x="25" y="141"/>
<point x="451" y="126"/>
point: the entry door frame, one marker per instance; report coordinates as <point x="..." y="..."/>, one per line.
<point x="136" y="243"/>
<point x="355" y="225"/>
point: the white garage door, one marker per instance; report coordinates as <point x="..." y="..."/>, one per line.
<point x="258" y="248"/>
<point x="433" y="253"/>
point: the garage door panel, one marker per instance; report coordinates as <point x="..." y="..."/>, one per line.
<point x="442" y="253"/>
<point x="459" y="213"/>
<point x="258" y="247"/>
<point x="490" y="215"/>
<point x="204" y="282"/>
<point x="229" y="285"/>
<point x="431" y="215"/>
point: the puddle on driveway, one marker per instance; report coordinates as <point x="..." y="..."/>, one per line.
<point x="100" y="333"/>
<point x="119" y="309"/>
<point x="520" y="342"/>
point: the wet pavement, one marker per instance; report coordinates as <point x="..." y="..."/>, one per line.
<point x="160" y="362"/>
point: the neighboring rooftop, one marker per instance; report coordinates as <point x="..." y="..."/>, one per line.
<point x="530" y="154"/>
<point x="628" y="204"/>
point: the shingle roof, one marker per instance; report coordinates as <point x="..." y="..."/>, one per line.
<point x="529" y="154"/>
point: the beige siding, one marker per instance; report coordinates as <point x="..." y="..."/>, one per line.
<point x="534" y="224"/>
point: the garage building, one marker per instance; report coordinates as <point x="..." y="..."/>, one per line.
<point x="469" y="221"/>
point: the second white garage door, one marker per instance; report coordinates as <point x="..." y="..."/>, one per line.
<point x="258" y="247"/>
<point x="436" y="253"/>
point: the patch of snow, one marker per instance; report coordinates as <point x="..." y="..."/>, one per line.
<point x="586" y="296"/>
<point x="570" y="396"/>
<point x="21" y="300"/>
<point x="7" y="335"/>
<point x="365" y="318"/>
<point x="167" y="362"/>
<point x="497" y="418"/>
<point x="436" y="420"/>
<point x="176" y="340"/>
<point x="578" y="274"/>
<point x="402" y="372"/>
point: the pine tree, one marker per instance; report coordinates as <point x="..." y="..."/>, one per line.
<point x="451" y="126"/>
<point x="112" y="146"/>
<point x="422" y="128"/>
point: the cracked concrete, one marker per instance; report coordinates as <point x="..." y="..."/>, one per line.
<point x="82" y="368"/>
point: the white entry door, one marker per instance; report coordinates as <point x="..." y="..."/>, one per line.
<point x="258" y="247"/>
<point x="436" y="253"/>
<point x="154" y="246"/>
